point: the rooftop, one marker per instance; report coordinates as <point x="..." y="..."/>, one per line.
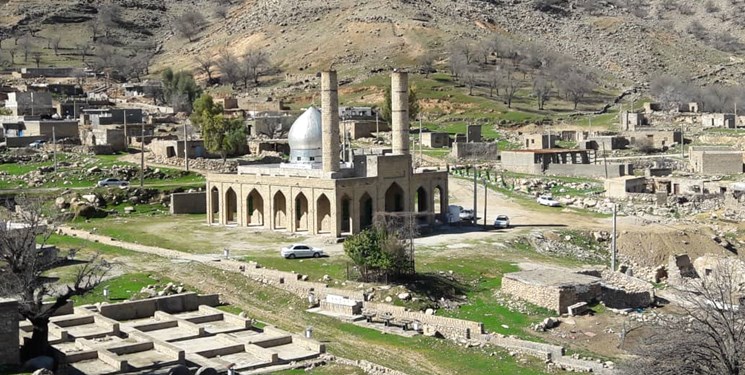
<point x="552" y="278"/>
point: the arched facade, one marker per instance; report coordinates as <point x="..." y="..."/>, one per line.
<point x="231" y="207"/>
<point x="255" y="208"/>
<point x="301" y="213"/>
<point x="323" y="215"/>
<point x="279" y="211"/>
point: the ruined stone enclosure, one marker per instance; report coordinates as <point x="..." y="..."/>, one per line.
<point x="160" y="333"/>
<point x="552" y="289"/>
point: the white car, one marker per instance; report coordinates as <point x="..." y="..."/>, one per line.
<point x="502" y="221"/>
<point x="112" y="182"/>
<point x="466" y="215"/>
<point x="548" y="200"/>
<point x="301" y="251"/>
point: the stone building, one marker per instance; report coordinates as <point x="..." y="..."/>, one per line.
<point x="552" y="289"/>
<point x="9" y="349"/>
<point x="104" y="136"/>
<point x="30" y="104"/>
<point x="174" y="148"/>
<point x="317" y="193"/>
<point x="660" y="139"/>
<point x="60" y="128"/>
<point x="539" y="141"/>
<point x="474" y="150"/>
<point x="715" y="160"/>
<point x="630" y="121"/>
<point x="718" y="120"/>
<point x="620" y="187"/>
<point x="435" y="139"/>
<point x="361" y="128"/>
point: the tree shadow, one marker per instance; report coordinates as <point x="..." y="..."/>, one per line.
<point x="437" y="286"/>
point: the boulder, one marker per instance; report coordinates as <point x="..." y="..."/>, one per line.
<point x="61" y="203"/>
<point x="91" y="198"/>
<point x="89" y="212"/>
<point x="92" y="170"/>
<point x="129" y="209"/>
<point x="404" y="296"/>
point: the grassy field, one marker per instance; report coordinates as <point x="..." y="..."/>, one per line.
<point x="121" y="288"/>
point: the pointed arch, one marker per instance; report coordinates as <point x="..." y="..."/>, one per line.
<point x="422" y="200"/>
<point x="279" y="213"/>
<point x="255" y="208"/>
<point x="231" y="206"/>
<point x="323" y="214"/>
<point x="346" y="214"/>
<point x="215" y="204"/>
<point x="366" y="211"/>
<point x="394" y="198"/>
<point x="437" y="206"/>
<point x="301" y="212"/>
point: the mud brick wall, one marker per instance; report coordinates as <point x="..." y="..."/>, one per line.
<point x="9" y="347"/>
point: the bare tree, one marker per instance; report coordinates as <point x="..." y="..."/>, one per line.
<point x="511" y="84"/>
<point x="83" y="50"/>
<point x="575" y="85"/>
<point x="24" y="272"/>
<point x="55" y="42"/>
<point x="253" y="66"/>
<point x="457" y="63"/>
<point x="709" y="338"/>
<point x="26" y="46"/>
<point x="470" y="77"/>
<point x="205" y="64"/>
<point x="230" y="70"/>
<point x="12" y="53"/>
<point x="188" y="24"/>
<point x="36" y="56"/>
<point x="426" y="64"/>
<point x="493" y="79"/>
<point x="541" y="91"/>
<point x="109" y="15"/>
<point x="95" y="27"/>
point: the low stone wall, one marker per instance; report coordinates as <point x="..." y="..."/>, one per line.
<point x="450" y="328"/>
<point x="620" y="291"/>
<point x="541" y="296"/>
<point x="9" y="350"/>
<point x="13" y="142"/>
<point x="189" y="203"/>
<point x="147" y="307"/>
<point x="292" y="283"/>
<point x="590" y="170"/>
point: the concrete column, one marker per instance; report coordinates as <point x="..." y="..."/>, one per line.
<point x="400" y="113"/>
<point x="330" y="121"/>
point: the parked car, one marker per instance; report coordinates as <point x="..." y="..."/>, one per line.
<point x="37" y="144"/>
<point x="112" y="182"/>
<point x="301" y="251"/>
<point x="466" y="215"/>
<point x="502" y="221"/>
<point x="548" y="200"/>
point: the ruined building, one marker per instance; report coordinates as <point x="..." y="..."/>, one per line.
<point x="318" y="192"/>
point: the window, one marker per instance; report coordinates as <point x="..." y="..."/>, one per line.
<point x="298" y="158"/>
<point x="312" y="158"/>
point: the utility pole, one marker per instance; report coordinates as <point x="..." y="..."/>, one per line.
<point x="421" y="158"/>
<point x="486" y="189"/>
<point x="605" y="161"/>
<point x="186" y="151"/>
<point x="377" y="127"/>
<point x="613" y="240"/>
<point x="142" y="157"/>
<point x="126" y="135"/>
<point x="474" y="197"/>
<point x="54" y="143"/>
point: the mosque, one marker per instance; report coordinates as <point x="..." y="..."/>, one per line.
<point x="320" y="193"/>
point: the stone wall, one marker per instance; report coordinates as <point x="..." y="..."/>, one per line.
<point x="189" y="203"/>
<point x="13" y="142"/>
<point x="535" y="294"/>
<point x="475" y="150"/>
<point x="9" y="349"/>
<point x="450" y="328"/>
<point x="148" y="307"/>
<point x="590" y="170"/>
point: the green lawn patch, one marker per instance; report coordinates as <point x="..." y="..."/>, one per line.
<point x="121" y="288"/>
<point x="335" y="266"/>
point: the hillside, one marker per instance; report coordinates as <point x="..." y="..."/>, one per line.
<point x="370" y="35"/>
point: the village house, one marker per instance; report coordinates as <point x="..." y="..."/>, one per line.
<point x="714" y="160"/>
<point x="718" y="120"/>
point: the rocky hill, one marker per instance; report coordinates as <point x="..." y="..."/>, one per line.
<point x="627" y="41"/>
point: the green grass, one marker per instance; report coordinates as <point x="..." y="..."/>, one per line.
<point x="315" y="268"/>
<point x="454" y="359"/>
<point x="120" y="288"/>
<point x="67" y="242"/>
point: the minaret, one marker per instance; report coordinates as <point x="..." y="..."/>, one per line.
<point x="330" y="120"/>
<point x="400" y="113"/>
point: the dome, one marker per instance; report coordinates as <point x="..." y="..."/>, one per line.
<point x="306" y="137"/>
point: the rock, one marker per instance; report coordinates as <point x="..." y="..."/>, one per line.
<point x="38" y="363"/>
<point x="326" y="278"/>
<point x="91" y="198"/>
<point x="404" y="296"/>
<point x="206" y="371"/>
<point x="129" y="209"/>
<point x="550" y="322"/>
<point x="179" y="370"/>
<point x="89" y="212"/>
<point x="429" y="312"/>
<point x="243" y="315"/>
<point x="389" y="299"/>
<point x="92" y="170"/>
<point x="61" y="203"/>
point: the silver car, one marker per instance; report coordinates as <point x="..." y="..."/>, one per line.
<point x="112" y="182"/>
<point x="301" y="251"/>
<point x="502" y="221"/>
